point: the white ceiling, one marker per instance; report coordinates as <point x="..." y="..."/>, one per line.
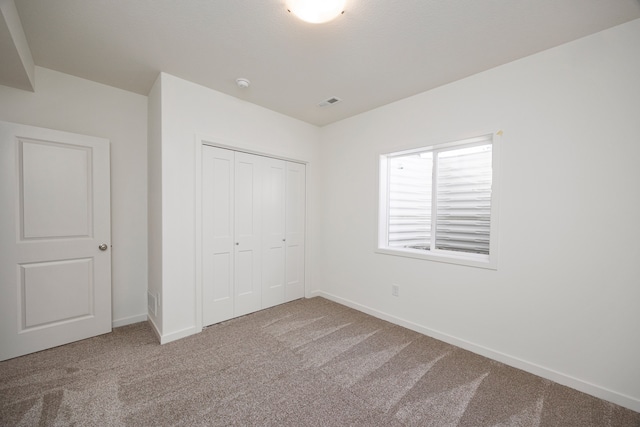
<point x="377" y="52"/>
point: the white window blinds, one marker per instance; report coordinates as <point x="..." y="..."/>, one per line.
<point x="464" y="199"/>
<point x="451" y="185"/>
<point x="410" y="201"/>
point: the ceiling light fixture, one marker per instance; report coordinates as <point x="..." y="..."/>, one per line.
<point x="316" y="11"/>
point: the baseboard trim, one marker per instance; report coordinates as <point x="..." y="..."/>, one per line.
<point x="174" y="336"/>
<point x="550" y="374"/>
<point x="129" y="320"/>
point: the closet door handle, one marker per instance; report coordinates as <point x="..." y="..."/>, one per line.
<point x="237" y="243"/>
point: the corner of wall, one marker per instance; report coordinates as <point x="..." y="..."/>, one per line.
<point x="154" y="202"/>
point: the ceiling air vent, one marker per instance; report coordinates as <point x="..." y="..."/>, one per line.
<point x="330" y="101"/>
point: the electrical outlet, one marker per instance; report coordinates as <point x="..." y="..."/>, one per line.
<point x="395" y="290"/>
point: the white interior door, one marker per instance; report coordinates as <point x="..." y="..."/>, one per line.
<point x="273" y="232"/>
<point x="217" y="234"/>
<point x="248" y="198"/>
<point x="55" y="280"/>
<point x="295" y="230"/>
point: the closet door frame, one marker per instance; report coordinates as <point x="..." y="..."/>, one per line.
<point x="201" y="140"/>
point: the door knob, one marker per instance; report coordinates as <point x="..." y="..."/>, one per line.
<point x="103" y="247"/>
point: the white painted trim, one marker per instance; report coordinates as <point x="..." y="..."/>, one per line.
<point x="183" y="333"/>
<point x="199" y="142"/>
<point x="440" y="256"/>
<point x="533" y="368"/>
<point x="129" y="320"/>
<point x="244" y="148"/>
<point x="307" y="234"/>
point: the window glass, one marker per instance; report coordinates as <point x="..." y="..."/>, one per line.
<point x="439" y="200"/>
<point x="464" y="199"/>
<point x="410" y="201"/>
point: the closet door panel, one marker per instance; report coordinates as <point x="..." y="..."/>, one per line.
<point x="273" y="232"/>
<point x="295" y="230"/>
<point x="248" y="198"/>
<point x="218" y="231"/>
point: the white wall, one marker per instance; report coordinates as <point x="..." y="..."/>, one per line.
<point x="189" y="110"/>
<point x="154" y="197"/>
<point x="68" y="103"/>
<point x="564" y="300"/>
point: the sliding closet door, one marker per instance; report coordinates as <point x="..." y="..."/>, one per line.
<point x="218" y="244"/>
<point x="253" y="225"/>
<point x="248" y="198"/>
<point x="295" y="230"/>
<point x="273" y="232"/>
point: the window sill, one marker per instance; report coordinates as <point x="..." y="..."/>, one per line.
<point x="478" y="261"/>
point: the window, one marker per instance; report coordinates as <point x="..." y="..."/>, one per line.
<point x="440" y="202"/>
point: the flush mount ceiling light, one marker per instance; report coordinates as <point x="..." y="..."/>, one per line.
<point x="316" y="11"/>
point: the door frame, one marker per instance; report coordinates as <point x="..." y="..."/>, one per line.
<point x="201" y="140"/>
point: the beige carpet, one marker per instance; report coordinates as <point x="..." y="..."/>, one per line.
<point x="305" y="363"/>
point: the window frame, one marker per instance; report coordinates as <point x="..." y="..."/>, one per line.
<point x="460" y="258"/>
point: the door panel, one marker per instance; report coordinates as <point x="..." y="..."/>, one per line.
<point x="247" y="233"/>
<point x="244" y="274"/>
<point x="55" y="291"/>
<point x="218" y="231"/>
<point x="222" y="266"/>
<point x="295" y="230"/>
<point x="55" y="202"/>
<point x="273" y="232"/>
<point x="55" y="284"/>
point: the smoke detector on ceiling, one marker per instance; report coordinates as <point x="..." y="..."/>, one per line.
<point x="242" y="83"/>
<point x="330" y="101"/>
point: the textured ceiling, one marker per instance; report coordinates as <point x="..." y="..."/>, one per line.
<point x="377" y="52"/>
